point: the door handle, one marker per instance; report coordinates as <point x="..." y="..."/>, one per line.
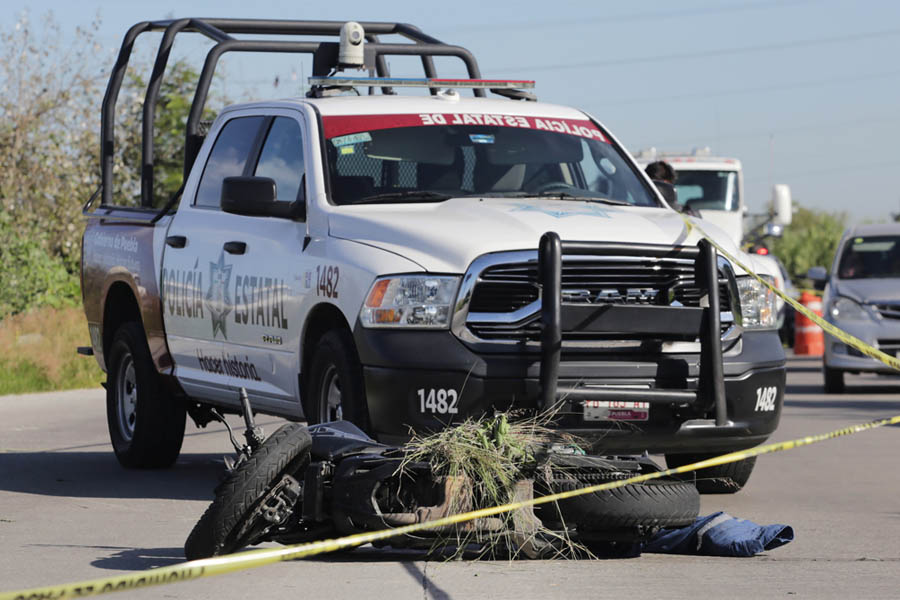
<point x="176" y="241"/>
<point x="235" y="247"/>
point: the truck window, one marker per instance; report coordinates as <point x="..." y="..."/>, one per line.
<point x="282" y="158"/>
<point x="376" y="158"/>
<point x="602" y="170"/>
<point x="708" y="190"/>
<point x="227" y="159"/>
<point x="870" y="257"/>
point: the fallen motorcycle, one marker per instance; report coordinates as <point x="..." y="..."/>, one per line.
<point x="304" y="484"/>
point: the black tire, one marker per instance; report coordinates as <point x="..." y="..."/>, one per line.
<point x="336" y="389"/>
<point x="146" y="422"/>
<point x="723" y="479"/>
<point x="217" y="532"/>
<point x="652" y="504"/>
<point x="834" y="380"/>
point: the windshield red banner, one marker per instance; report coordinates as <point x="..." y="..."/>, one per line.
<point x="341" y="125"/>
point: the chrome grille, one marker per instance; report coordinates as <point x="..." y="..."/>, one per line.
<point x="508" y="287"/>
<point x="888" y="311"/>
<point x="503" y="296"/>
<point x="888" y="346"/>
<point x="618" y="280"/>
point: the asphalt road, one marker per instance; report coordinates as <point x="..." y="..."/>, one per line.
<point x="68" y="512"/>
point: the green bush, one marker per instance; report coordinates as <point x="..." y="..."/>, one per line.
<point x="49" y="126"/>
<point x="30" y="276"/>
<point x="810" y="240"/>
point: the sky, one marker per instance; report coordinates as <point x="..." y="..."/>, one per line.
<point x="802" y="92"/>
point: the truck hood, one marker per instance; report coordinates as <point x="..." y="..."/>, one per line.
<point x="446" y="237"/>
<point x="729" y="221"/>
<point x="869" y="291"/>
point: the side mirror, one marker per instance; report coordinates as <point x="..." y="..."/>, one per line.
<point x="257" y="197"/>
<point x="782" y="207"/>
<point x="819" y="277"/>
<point x="773" y="230"/>
<point x="667" y="190"/>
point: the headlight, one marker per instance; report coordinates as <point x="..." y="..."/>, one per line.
<point x="418" y="301"/>
<point x="757" y="303"/>
<point x="845" y="308"/>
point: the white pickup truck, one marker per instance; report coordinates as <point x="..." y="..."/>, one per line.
<point x="412" y="261"/>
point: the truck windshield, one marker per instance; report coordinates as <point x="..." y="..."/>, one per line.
<point x="434" y="157"/>
<point x="870" y="257"/>
<point x="708" y="190"/>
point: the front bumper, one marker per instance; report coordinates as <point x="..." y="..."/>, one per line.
<point x="414" y="380"/>
<point x="883" y="334"/>
<point x="628" y="352"/>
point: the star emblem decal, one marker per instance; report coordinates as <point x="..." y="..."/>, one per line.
<point x="560" y="212"/>
<point x="217" y="299"/>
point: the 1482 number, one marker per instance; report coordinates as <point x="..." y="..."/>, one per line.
<point x="438" y="401"/>
<point x="327" y="281"/>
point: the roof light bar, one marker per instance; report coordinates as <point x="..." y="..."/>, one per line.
<point x="422" y="82"/>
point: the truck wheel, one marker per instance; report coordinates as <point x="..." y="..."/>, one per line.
<point x="723" y="479"/>
<point x="146" y="422"/>
<point x="336" y="389"/>
<point x="834" y="380"/>
<point x="224" y="527"/>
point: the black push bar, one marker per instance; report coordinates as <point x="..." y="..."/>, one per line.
<point x="702" y="322"/>
<point x="221" y="32"/>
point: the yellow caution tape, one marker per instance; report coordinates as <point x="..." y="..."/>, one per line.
<point x="257" y="558"/>
<point x="845" y="337"/>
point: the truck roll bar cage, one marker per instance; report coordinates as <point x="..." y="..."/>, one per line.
<point x="221" y="32"/>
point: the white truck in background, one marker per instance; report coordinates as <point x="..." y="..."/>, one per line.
<point x="713" y="187"/>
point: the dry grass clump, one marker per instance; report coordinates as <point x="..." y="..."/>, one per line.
<point x="493" y="455"/>
<point x="37" y="352"/>
<point x="491" y="452"/>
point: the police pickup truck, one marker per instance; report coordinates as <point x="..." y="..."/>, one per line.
<point x="409" y="261"/>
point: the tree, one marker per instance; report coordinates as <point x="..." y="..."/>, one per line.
<point x="48" y="134"/>
<point x="50" y="97"/>
<point x="171" y="113"/>
<point x="810" y="240"/>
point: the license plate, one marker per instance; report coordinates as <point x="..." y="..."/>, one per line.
<point x="616" y="410"/>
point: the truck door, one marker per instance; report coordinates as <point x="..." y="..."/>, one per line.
<point x="268" y="264"/>
<point x="198" y="275"/>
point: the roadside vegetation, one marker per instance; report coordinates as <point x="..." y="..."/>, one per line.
<point x="37" y="352"/>
<point x="809" y="241"/>
<point x="51" y="86"/>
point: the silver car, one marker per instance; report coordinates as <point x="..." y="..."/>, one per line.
<point x="862" y="297"/>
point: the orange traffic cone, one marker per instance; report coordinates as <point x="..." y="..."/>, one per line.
<point x="808" y="337"/>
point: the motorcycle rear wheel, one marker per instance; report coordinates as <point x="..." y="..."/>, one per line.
<point x="651" y="504"/>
